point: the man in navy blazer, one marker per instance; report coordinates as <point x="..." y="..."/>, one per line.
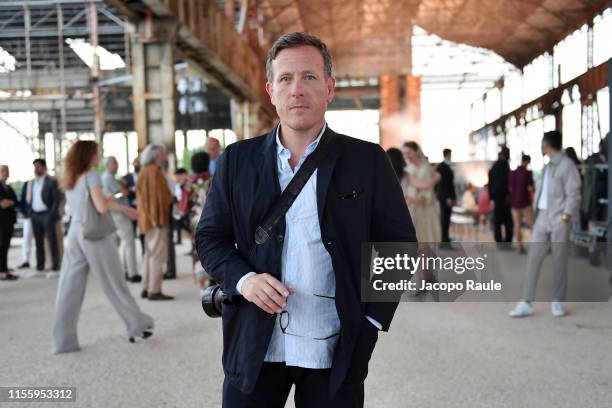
<point x="297" y="315"/>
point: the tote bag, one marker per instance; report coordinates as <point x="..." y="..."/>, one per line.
<point x="96" y="226"/>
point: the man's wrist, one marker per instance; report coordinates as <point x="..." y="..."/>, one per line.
<point x="242" y="280"/>
<point x="566" y="217"/>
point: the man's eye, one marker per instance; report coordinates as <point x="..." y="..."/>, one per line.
<point x="283" y="79"/>
<point x="310" y="77"/>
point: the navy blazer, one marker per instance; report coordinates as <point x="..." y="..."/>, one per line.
<point x="359" y="199"/>
<point x="51" y="196"/>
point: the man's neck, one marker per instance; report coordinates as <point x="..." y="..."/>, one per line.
<point x="298" y="141"/>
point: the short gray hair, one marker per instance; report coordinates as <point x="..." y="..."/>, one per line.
<point x="298" y="39"/>
<point x="150" y="153"/>
<point x="109" y="159"/>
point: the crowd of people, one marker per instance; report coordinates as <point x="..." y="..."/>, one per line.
<point x="146" y="203"/>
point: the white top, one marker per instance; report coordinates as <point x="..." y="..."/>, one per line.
<point x="38" y="205"/>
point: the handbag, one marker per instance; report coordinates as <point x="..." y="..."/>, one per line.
<point x="96" y="226"/>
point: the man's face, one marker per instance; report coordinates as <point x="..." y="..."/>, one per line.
<point x="112" y="166"/>
<point x="136" y="164"/>
<point x="4" y="173"/>
<point x="299" y="89"/>
<point x="545" y="148"/>
<point x="212" y="148"/>
<point x="161" y="158"/>
<point x="39" y="170"/>
<point x="410" y="154"/>
<point x="180" y="178"/>
<point x="448" y="157"/>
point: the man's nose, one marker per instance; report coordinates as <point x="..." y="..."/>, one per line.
<point x="297" y="88"/>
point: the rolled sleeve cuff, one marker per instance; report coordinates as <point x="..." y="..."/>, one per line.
<point x="374" y="322"/>
<point x="241" y="281"/>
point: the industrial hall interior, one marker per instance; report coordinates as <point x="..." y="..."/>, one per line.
<point x="135" y="204"/>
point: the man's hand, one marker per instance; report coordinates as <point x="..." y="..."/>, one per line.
<point x="6" y="203"/>
<point x="131" y="213"/>
<point x="267" y="292"/>
<point x="450" y="202"/>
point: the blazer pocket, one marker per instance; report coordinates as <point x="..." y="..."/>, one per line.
<point x="351" y="195"/>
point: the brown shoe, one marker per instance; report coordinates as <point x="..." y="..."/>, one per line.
<point x="160" y="296"/>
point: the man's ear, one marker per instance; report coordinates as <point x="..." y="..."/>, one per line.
<point x="331" y="85"/>
<point x="269" y="90"/>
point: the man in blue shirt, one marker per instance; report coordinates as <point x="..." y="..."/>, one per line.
<point x="213" y="148"/>
<point x="297" y="316"/>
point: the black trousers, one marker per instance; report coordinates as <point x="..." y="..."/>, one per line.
<point x="42" y="226"/>
<point x="445" y="217"/>
<point x="311" y="390"/>
<point x="6" y="233"/>
<point x="171" y="259"/>
<point x="502" y="216"/>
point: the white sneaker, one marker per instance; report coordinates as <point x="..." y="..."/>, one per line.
<point x="522" y="309"/>
<point x="557" y="309"/>
<point x="52" y="275"/>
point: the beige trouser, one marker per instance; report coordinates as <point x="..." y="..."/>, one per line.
<point x="547" y="233"/>
<point x="154" y="260"/>
<point x="127" y="244"/>
<point x="101" y="258"/>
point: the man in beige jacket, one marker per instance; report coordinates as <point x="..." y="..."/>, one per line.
<point x="558" y="198"/>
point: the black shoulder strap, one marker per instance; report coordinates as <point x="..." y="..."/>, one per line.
<point x="297" y="183"/>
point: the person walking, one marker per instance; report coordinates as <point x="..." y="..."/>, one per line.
<point x="154" y="203"/>
<point x="83" y="187"/>
<point x="557" y="202"/>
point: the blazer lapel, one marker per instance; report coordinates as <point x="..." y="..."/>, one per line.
<point x="266" y="168"/>
<point x="325" y="171"/>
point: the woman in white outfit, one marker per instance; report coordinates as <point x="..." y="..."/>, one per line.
<point x="82" y="255"/>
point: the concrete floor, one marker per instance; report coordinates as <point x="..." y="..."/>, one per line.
<point x="436" y="355"/>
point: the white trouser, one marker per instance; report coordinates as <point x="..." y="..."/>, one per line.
<point x="26" y="244"/>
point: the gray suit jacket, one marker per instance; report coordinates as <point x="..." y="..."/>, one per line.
<point x="563" y="191"/>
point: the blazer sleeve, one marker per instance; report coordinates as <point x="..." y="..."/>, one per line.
<point x="22" y="198"/>
<point x="390" y="222"/>
<point x="215" y="237"/>
<point x="55" y="194"/>
<point x="572" y="190"/>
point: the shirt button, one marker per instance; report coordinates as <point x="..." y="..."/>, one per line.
<point x="280" y="238"/>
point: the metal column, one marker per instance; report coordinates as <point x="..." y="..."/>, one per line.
<point x="609" y="143"/>
<point x="60" y="45"/>
<point x="153" y="82"/>
<point x="95" y="73"/>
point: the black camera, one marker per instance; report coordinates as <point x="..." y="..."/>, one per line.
<point x="213" y="300"/>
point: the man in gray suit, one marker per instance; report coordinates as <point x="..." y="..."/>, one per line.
<point x="557" y="200"/>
